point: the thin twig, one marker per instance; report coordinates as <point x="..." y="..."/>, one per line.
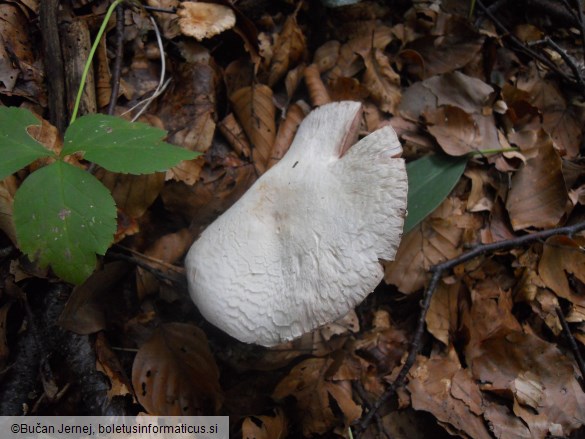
<point x="572" y="343"/>
<point x="117" y="71"/>
<point x="581" y="20"/>
<point x="521" y="46"/>
<point x="569" y="61"/>
<point x="437" y="272"/>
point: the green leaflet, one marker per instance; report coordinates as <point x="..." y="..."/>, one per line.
<point x="17" y="147"/>
<point x="63" y="217"/>
<point x="430" y="180"/>
<point x="122" y="146"/>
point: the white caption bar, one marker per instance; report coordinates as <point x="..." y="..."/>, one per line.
<point x="110" y="427"/>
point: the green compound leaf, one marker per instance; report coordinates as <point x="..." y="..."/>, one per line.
<point x="122" y="146"/>
<point x="63" y="217"/>
<point x="17" y="147"/>
<point x="430" y="180"/>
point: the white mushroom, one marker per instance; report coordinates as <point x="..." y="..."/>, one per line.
<point x="302" y="246"/>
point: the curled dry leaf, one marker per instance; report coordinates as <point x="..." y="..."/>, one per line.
<point x="563" y="257"/>
<point x="174" y="373"/>
<point x="265" y="427"/>
<point x="442" y="316"/>
<point x="293" y="79"/>
<point x="133" y="194"/>
<point x="538" y="196"/>
<point x="8" y="188"/>
<point x="256" y="112"/>
<point x="85" y="311"/>
<point x="314" y="392"/>
<point x="234" y="134"/>
<point x="436" y="239"/>
<point x="288" y="50"/>
<point x="204" y="20"/>
<point x="109" y="364"/>
<point x="440" y="386"/>
<point x="317" y="90"/>
<point x="326" y="55"/>
<point x="382" y="81"/>
<point x="287" y="130"/>
<point x="543" y="395"/>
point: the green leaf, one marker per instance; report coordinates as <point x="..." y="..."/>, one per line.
<point x="17" y="147"/>
<point x="122" y="146"/>
<point x="63" y="217"/>
<point x="430" y="180"/>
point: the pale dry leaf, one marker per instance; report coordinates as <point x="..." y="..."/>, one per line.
<point x="234" y="134"/>
<point x="204" y="20"/>
<point x="441" y="318"/>
<point x="326" y="55"/>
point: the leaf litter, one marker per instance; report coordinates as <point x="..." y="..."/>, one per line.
<point x="495" y="363"/>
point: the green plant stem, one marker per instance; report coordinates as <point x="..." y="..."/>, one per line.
<point x="493" y="151"/>
<point x="90" y="58"/>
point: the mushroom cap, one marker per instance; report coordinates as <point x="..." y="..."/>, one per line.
<point x="302" y="246"/>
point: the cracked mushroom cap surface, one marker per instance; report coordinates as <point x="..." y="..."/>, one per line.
<point x="301" y="248"/>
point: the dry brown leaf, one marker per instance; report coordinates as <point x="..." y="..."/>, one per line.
<point x="455" y="130"/>
<point x="8" y="188"/>
<point x="85" y="311"/>
<point x="256" y="112"/>
<point x="204" y="20"/>
<point x="382" y="81"/>
<point x="538" y="377"/>
<point x="538" y="196"/>
<point x="265" y="427"/>
<point x="168" y="22"/>
<point x="561" y="259"/>
<point x="439" y="385"/>
<point x="317" y="90"/>
<point x="174" y="373"/>
<point x="109" y="364"/>
<point x="286" y="131"/>
<point x="133" y="194"/>
<point x="234" y="134"/>
<point x="479" y="200"/>
<point x="442" y="316"/>
<point x="561" y="120"/>
<point x="308" y="382"/>
<point x="436" y="239"/>
<point x="326" y="55"/>
<point x="167" y="249"/>
<point x="288" y="50"/>
<point x="347" y="89"/>
<point x="293" y="79"/>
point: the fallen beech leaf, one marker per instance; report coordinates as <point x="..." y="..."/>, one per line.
<point x="308" y="382"/>
<point x="109" y="364"/>
<point x="255" y="111"/>
<point x="455" y="130"/>
<point x="8" y="188"/>
<point x="133" y="194"/>
<point x="563" y="257"/>
<point x="442" y="317"/>
<point x="317" y="90"/>
<point x="204" y="20"/>
<point x="234" y="134"/>
<point x="538" y="196"/>
<point x="293" y="79"/>
<point x="435" y="385"/>
<point x="343" y="89"/>
<point x="174" y="373"/>
<point x="85" y="311"/>
<point x="265" y="427"/>
<point x="435" y="240"/>
<point x="504" y="361"/>
<point x="288" y="50"/>
<point x="382" y="81"/>
<point x="326" y="55"/>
